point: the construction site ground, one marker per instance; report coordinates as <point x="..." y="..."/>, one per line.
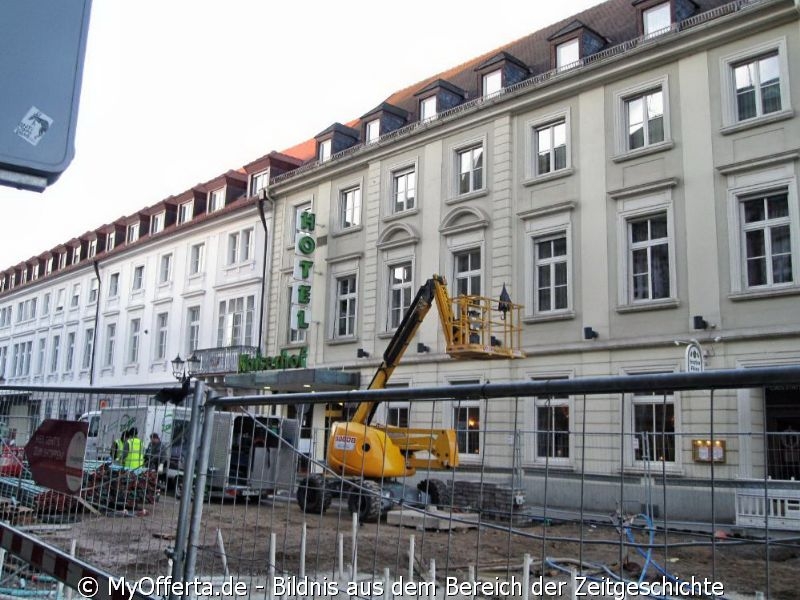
<point x="246" y="528"/>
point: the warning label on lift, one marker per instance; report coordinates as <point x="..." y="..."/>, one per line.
<point x="344" y="442"/>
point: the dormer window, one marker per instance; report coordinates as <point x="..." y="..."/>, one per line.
<point x="216" y="200"/>
<point x="427" y="108"/>
<point x="62" y="260"/>
<point x="657" y="20"/>
<point x="92" y="248"/>
<point x="324" y="150"/>
<point x="111" y="240"/>
<point x="567" y="54"/>
<point x="492" y="83"/>
<point x="76" y="255"/>
<point x="373" y="131"/>
<point x="48" y="266"/>
<point x="133" y="232"/>
<point x="156" y="223"/>
<point x="185" y="211"/>
<point x="258" y="182"/>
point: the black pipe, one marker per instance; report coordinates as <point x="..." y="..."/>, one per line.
<point x="96" y="266"/>
<point x="263" y="198"/>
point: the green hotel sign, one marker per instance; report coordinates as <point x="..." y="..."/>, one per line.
<point x="284" y="360"/>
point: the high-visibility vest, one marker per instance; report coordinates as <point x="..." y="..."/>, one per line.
<point x="134" y="458"/>
<point x="119" y="447"/>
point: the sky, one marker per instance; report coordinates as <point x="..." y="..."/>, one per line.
<point x="176" y="92"/>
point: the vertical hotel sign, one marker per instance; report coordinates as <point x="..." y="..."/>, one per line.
<point x="304" y="247"/>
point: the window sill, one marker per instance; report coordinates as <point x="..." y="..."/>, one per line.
<point x="757" y="122"/>
<point x="646" y="151"/>
<point x="338" y="341"/>
<point x="563" y="465"/>
<point x="544" y="318"/>
<point x="468" y="196"/>
<point x="400" y="215"/>
<point x="764" y="293"/>
<point x="652" y="305"/>
<point x="386" y="335"/>
<point x="560" y="174"/>
<point x="347" y="231"/>
<point x="655" y="469"/>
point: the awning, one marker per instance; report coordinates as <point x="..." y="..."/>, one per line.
<point x="295" y="380"/>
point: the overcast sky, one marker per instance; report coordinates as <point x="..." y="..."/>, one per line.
<point x="176" y="92"/>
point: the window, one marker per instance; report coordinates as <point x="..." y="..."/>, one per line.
<point x="165" y="269"/>
<point x="400" y="293"/>
<point x="113" y="285"/>
<point x="93" y="287"/>
<point x="404" y="189"/>
<point x="467" y="279"/>
<point x="62" y="263"/>
<point x="235" y="322"/>
<point x="70" y="359"/>
<point x="54" y="350"/>
<point x="76" y="296"/>
<point x="41" y="359"/>
<point x="156" y="223"/>
<point x="216" y="200"/>
<point x="758" y="86"/>
<point x="644" y="119"/>
<point x="45" y="306"/>
<point x="192" y="329"/>
<point x="138" y="278"/>
<point x="76" y="255"/>
<point x="324" y="150"/>
<point x="60" y="300"/>
<point x="88" y="348"/>
<point x="185" y="212"/>
<point x="258" y="182"/>
<point x="552" y="427"/>
<point x="467" y="423"/>
<point x="346" y="300"/>
<point x="197" y="255"/>
<point x="649" y="258"/>
<point x="427" y="108"/>
<point x="295" y="336"/>
<point x="654" y="426"/>
<point x="134" y="332"/>
<point x="48" y="267"/>
<point x="350" y="208"/>
<point x="92" y="252"/>
<point x="551" y="268"/>
<point x="3" y="353"/>
<point x="551" y="147"/>
<point x="567" y="54"/>
<point x="111" y="334"/>
<point x="111" y="240"/>
<point x="373" y="131"/>
<point x="240" y="247"/>
<point x="492" y="83"/>
<point x="162" y="320"/>
<point x="656" y="20"/>
<point x="470" y="169"/>
<point x="766" y="240"/>
<point x="133" y="232"/>
<point x="298" y="215"/>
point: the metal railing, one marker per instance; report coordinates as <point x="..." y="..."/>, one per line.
<point x="221" y="361"/>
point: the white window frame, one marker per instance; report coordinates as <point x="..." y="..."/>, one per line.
<point x="162" y="336"/>
<point x="468" y="457"/>
<point x="60" y="299"/>
<point x="157" y="223"/>
<point x="325" y="153"/>
<point x="137" y="281"/>
<point x="394" y="177"/>
<point x="470" y="273"/>
<point x="197" y="258"/>
<point x="111" y="240"/>
<point x="132" y="233"/>
<point x="55" y="349"/>
<point x="192" y="329"/>
<point x="730" y="119"/>
<point x="746" y="185"/>
<point x="372" y="131"/>
<point x="349" y="208"/>
<point x="650" y="30"/>
<point x="75" y="299"/>
<point x="351" y="300"/>
<point x="165" y="269"/>
<point x="532" y="416"/>
<point x="459" y="153"/>
<point x="88" y="347"/>
<point x="235" y="324"/>
<point x="293" y="336"/>
<point x="404" y="288"/>
<point x="562" y="64"/>
<point x="76" y="258"/>
<point x="239" y="250"/>
<point x="621" y="102"/>
<point x="92" y="253"/>
<point x="113" y="285"/>
<point x="216" y="200"/>
<point x="94" y="288"/>
<point x="134" y="335"/>
<point x="532" y="148"/>
<point x="110" y="342"/>
<point x="185" y="212"/>
<point x="428" y="109"/>
<point x="42" y="358"/>
<point x="492" y="83"/>
<point x="70" y="358"/>
<point x="299" y="209"/>
<point x="258" y="182"/>
<point x="632" y="209"/>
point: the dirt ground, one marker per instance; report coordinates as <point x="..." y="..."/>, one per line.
<point x="135" y="546"/>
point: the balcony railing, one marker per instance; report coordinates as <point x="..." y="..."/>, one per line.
<point x="221" y="361"/>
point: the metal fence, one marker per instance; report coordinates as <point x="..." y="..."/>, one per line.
<point x="563" y="487"/>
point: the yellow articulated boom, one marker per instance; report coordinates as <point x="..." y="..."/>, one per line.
<point x="474" y="327"/>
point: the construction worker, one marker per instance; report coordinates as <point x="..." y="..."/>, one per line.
<point x="132" y="457"/>
<point x="118" y="447"/>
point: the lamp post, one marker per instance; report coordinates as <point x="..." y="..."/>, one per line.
<point x="184" y="370"/>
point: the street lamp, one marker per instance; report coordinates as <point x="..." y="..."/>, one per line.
<point x="183" y="370"/>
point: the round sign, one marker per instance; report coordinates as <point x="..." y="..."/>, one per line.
<point x="694" y="358"/>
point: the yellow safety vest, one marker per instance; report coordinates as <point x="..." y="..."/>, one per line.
<point x="134" y="459"/>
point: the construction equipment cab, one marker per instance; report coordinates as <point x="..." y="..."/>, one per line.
<point x="474" y="327"/>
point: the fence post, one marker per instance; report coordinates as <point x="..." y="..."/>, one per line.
<point x="199" y="490"/>
<point x="179" y="552"/>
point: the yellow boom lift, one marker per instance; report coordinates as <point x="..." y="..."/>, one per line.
<point x="370" y="457"/>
